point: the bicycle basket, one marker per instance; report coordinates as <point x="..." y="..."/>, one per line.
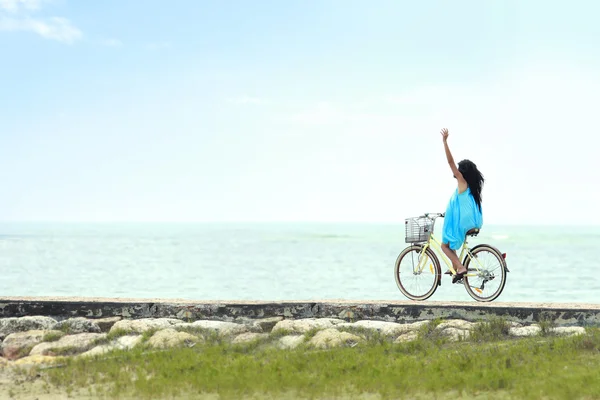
<point x="418" y="229"/>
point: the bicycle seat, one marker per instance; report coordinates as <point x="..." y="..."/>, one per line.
<point x="473" y="232"/>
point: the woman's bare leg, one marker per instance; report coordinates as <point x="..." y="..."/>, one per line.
<point x="451" y="254"/>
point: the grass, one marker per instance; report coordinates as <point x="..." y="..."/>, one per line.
<point x="208" y="335"/>
<point x="112" y="335"/>
<point x="493" y="329"/>
<point x="53" y="336"/>
<point x="370" y="335"/>
<point x="553" y="368"/>
<point x="547" y="325"/>
<point x="428" y="331"/>
<point x="24" y="352"/>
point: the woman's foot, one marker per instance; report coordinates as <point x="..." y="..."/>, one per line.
<point x="460" y="273"/>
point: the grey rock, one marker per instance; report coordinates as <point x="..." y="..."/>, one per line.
<point x="106" y="323"/>
<point x="78" y="325"/>
<point x="385" y="328"/>
<point x="144" y="324"/>
<point x="330" y="337"/>
<point x="407" y="337"/>
<point x="249" y="337"/>
<point x="290" y="342"/>
<point x="530" y="330"/>
<point x="455" y="334"/>
<point x="171" y="338"/>
<point x="17" y="344"/>
<point x="266" y="324"/>
<point x="78" y="343"/>
<point x="122" y="343"/>
<point x="221" y="328"/>
<point x="24" y="324"/>
<point x="305" y="325"/>
<point x="569" y="330"/>
<point x="456" y="324"/>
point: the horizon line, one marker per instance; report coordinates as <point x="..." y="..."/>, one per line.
<point x="277" y="222"/>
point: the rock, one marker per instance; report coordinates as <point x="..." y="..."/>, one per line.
<point x="456" y="324"/>
<point x="106" y="323"/>
<point x="144" y="324"/>
<point x="122" y="343"/>
<point x="71" y="344"/>
<point x="330" y="337"/>
<point x="220" y="327"/>
<point x="24" y="324"/>
<point x="530" y="330"/>
<point x="455" y="334"/>
<point x="171" y="338"/>
<point x="36" y="360"/>
<point x="19" y="344"/>
<point x="305" y="325"/>
<point x="455" y="329"/>
<point x="78" y="325"/>
<point x="266" y="324"/>
<point x="249" y="337"/>
<point x="290" y="341"/>
<point x="385" y="328"/>
<point x="407" y="337"/>
<point x="569" y="330"/>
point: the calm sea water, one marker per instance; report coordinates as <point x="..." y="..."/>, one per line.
<point x="274" y="261"/>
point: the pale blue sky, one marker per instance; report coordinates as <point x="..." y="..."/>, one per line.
<point x="296" y="111"/>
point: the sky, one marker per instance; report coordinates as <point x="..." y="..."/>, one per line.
<point x="330" y="110"/>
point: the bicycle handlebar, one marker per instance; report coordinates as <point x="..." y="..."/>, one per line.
<point x="434" y="215"/>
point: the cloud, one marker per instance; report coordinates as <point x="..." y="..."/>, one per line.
<point x="111" y="42"/>
<point x="158" y="45"/>
<point x="55" y="28"/>
<point x="17" y="16"/>
<point x="14" y="6"/>
<point x="244" y="99"/>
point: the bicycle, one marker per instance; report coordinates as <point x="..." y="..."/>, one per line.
<point x="423" y="246"/>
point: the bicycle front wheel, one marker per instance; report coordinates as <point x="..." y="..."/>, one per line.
<point x="487" y="273"/>
<point x="417" y="273"/>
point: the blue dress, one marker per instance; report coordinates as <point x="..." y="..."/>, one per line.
<point x="462" y="214"/>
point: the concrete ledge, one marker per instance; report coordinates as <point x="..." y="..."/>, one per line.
<point x="563" y="314"/>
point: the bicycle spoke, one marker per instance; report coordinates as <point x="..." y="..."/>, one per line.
<point x="417" y="273"/>
<point x="487" y="282"/>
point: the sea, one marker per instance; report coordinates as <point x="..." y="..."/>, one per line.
<point x="275" y="261"/>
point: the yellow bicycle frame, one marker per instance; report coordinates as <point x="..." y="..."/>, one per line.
<point x="435" y="244"/>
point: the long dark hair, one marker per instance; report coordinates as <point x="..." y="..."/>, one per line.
<point x="474" y="179"/>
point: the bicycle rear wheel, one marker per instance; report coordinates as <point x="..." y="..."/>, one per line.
<point x="487" y="273"/>
<point x="415" y="284"/>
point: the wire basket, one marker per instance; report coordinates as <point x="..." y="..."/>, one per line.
<point x="418" y="229"/>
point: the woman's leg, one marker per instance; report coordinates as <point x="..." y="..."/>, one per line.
<point x="451" y="254"/>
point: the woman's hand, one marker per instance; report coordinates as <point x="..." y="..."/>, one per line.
<point x="444" y="133"/>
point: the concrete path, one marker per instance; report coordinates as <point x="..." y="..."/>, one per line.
<point x="563" y="314"/>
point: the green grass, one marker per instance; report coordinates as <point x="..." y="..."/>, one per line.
<point x="112" y="335"/>
<point x="428" y="331"/>
<point x="208" y="335"/>
<point x="552" y="368"/>
<point x="547" y="325"/>
<point x="64" y="351"/>
<point x="493" y="329"/>
<point x="53" y="336"/>
<point x="24" y="352"/>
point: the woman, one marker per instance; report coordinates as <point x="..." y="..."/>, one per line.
<point x="464" y="208"/>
